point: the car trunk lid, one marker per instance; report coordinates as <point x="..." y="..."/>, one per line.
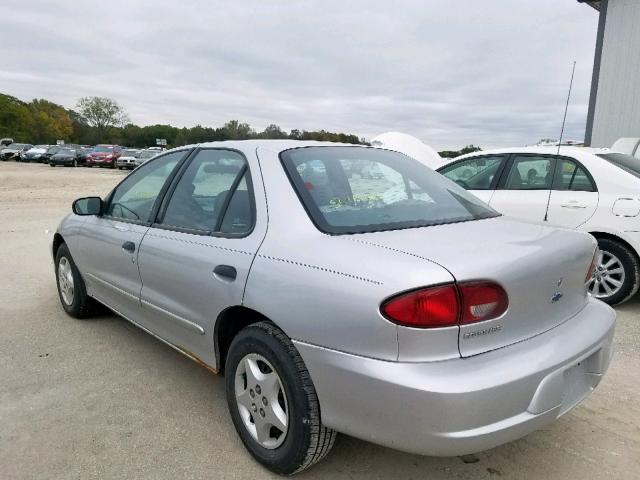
<point x="542" y="269"/>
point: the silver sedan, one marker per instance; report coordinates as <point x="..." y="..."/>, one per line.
<point x="393" y="307"/>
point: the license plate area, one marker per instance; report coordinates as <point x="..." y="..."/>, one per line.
<point x="580" y="380"/>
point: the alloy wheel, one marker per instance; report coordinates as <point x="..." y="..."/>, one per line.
<point x="262" y="401"/>
<point x="608" y="276"/>
<point x="65" y="280"/>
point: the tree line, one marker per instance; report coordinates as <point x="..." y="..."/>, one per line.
<point x="102" y="120"/>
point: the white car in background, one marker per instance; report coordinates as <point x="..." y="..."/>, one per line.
<point x="593" y="190"/>
<point x="128" y="158"/>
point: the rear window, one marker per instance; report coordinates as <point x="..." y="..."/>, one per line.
<point x="623" y="161"/>
<point x="356" y="189"/>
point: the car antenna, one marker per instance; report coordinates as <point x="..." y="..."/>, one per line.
<point x="564" y="119"/>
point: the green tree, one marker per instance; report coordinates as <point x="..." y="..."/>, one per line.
<point x="469" y="149"/>
<point x="462" y="151"/>
<point x="102" y="113"/>
<point x="16" y="120"/>
<point x="51" y="122"/>
<point x="273" y="131"/>
<point x="234" y="130"/>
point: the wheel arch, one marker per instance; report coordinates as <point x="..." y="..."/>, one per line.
<point x="57" y="241"/>
<point x="228" y="324"/>
<point x="609" y="236"/>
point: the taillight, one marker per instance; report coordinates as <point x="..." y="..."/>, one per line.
<point x="447" y="305"/>
<point x="428" y="307"/>
<point x="482" y="301"/>
<point x="592" y="267"/>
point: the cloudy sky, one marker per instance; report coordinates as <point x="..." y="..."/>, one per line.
<point x="451" y="72"/>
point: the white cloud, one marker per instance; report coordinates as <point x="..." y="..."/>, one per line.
<point x="456" y="72"/>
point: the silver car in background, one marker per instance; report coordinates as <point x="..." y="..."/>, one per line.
<point x="145" y="155"/>
<point x="128" y="158"/>
<point x="393" y="307"/>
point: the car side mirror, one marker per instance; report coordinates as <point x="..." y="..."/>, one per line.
<point x="88" y="206"/>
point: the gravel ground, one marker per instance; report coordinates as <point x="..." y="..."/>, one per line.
<point x="102" y="399"/>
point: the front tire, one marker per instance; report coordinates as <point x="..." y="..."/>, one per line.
<point x="617" y="274"/>
<point x="272" y="401"/>
<point x="71" y="288"/>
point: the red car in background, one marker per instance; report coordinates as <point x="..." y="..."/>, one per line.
<point x="104" y="156"/>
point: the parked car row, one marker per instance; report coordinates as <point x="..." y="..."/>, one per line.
<point x="102" y="155"/>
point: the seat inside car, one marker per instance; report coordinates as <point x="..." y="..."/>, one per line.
<point x="185" y="209"/>
<point x="237" y="218"/>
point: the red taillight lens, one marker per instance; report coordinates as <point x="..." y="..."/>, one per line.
<point x="429" y="307"/>
<point x="482" y="301"/>
<point x="447" y="305"/>
<point x="592" y="267"/>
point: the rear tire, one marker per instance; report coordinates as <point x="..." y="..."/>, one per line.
<point x="75" y="302"/>
<point x="305" y="441"/>
<point x="617" y="275"/>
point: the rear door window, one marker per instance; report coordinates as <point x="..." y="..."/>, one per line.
<point x="212" y="195"/>
<point x="476" y="173"/>
<point x="571" y="176"/>
<point x="530" y="172"/>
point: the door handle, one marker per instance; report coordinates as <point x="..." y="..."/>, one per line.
<point x="227" y="272"/>
<point x="573" y="205"/>
<point x="129" y="247"/>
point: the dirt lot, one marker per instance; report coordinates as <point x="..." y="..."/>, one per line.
<point x="102" y="399"/>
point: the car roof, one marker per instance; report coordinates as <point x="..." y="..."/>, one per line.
<point x="546" y="150"/>
<point x="274" y="145"/>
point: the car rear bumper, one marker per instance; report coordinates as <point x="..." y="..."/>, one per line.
<point x="461" y="406"/>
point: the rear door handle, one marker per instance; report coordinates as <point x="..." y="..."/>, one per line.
<point x="227" y="272"/>
<point x="573" y="205"/>
<point x="129" y="247"/>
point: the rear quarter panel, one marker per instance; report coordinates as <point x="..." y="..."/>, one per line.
<point x="326" y="290"/>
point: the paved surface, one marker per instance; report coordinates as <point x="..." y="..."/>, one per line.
<point x="101" y="399"/>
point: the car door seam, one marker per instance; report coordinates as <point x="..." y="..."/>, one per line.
<point x="266" y="228"/>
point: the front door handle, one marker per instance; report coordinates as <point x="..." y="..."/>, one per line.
<point x="226" y="272"/>
<point x="129" y="247"/>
